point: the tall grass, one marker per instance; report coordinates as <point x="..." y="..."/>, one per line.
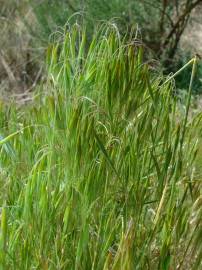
<point x="97" y="173"/>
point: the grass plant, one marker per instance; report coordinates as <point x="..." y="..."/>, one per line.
<point x="97" y="173"/>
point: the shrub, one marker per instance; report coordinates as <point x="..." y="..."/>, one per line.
<point x="162" y="33"/>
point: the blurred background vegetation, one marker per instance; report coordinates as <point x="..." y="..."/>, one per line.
<point x="162" y="26"/>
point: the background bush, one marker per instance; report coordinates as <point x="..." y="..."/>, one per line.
<point x="27" y="26"/>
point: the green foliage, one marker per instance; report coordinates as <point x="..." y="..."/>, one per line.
<point x="183" y="80"/>
<point x="102" y="176"/>
<point x="161" y="34"/>
<point x="162" y="23"/>
<point x="51" y="15"/>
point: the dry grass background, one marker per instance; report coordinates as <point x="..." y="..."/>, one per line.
<point x="18" y="66"/>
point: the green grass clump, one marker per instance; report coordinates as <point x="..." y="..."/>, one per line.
<point x="97" y="173"/>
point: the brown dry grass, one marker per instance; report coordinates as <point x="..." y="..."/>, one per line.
<point x="18" y="70"/>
